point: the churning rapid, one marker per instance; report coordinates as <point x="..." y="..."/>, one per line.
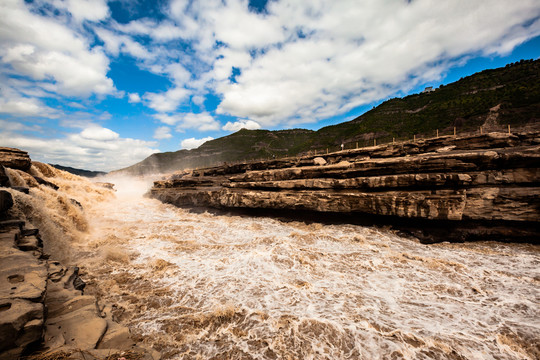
<point x="221" y="286"/>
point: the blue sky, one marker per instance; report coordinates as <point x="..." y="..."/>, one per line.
<point x="101" y="85"/>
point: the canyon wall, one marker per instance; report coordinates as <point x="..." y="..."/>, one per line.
<point x="482" y="187"/>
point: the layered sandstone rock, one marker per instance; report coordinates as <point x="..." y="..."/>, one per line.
<point x="42" y="305"/>
<point x="23" y="280"/>
<point x="477" y="187"/>
<point x="15" y="158"/>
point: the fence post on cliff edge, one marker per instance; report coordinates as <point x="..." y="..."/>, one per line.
<point x="481" y="130"/>
<point x="508" y="129"/>
<point x="393" y="140"/>
<point x="414" y="137"/>
<point x="437" y="132"/>
<point x="454" y="131"/>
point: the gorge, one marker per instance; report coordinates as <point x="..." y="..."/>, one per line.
<point x="222" y="285"/>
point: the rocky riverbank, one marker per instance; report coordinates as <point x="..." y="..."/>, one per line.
<point x="482" y="187"/>
<point x="43" y="309"/>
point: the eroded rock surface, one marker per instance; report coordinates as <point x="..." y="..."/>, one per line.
<point x="482" y="187"/>
<point x="42" y="305"/>
<point x="15" y="158"/>
<point x="23" y="283"/>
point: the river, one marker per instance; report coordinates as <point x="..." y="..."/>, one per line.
<point x="205" y="285"/>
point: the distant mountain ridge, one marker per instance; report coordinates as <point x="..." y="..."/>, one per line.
<point x="240" y="146"/>
<point x="508" y="95"/>
<point x="80" y="172"/>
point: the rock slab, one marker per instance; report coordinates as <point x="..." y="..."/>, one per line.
<point x="490" y="182"/>
<point x="15" y="158"/>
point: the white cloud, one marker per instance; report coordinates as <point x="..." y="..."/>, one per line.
<point x="81" y="152"/>
<point x="134" y="98"/>
<point x="93" y="10"/>
<point x="193" y="143"/>
<point x="164" y="31"/>
<point x="18" y="126"/>
<point x="13" y="102"/>
<point x="166" y="101"/>
<point x="43" y="49"/>
<point x="198" y="99"/>
<point x="21" y="106"/>
<point x="112" y="41"/>
<point x="177" y="73"/>
<point x="162" y="132"/>
<point x="168" y="119"/>
<point x="115" y="44"/>
<point x="202" y="122"/>
<point x="135" y="49"/>
<point x="304" y="61"/>
<point x="239" y="28"/>
<point x="99" y="133"/>
<point x="241" y="124"/>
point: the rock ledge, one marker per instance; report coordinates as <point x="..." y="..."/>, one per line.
<point x="483" y="187"/>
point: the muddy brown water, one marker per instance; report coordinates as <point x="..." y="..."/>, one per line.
<point x="218" y="286"/>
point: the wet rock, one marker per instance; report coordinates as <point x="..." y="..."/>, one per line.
<point x="79" y="327"/>
<point x="11" y="223"/>
<point x="23" y="189"/>
<point x="6" y="201"/>
<point x="56" y="271"/>
<point x="21" y="324"/>
<point x="106" y="185"/>
<point x="42" y="181"/>
<point x="117" y="336"/>
<point x="15" y="159"/>
<point x="30" y="243"/>
<point x="75" y="321"/>
<point x="8" y="236"/>
<point x="22" y="276"/>
<point x="75" y="202"/>
<point x="4" y="179"/>
<point x="29" y="232"/>
<point x="22" y="293"/>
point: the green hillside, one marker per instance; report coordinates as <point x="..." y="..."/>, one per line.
<point x="491" y="98"/>
<point x="464" y="104"/>
<point x="79" y="172"/>
<point x="240" y="146"/>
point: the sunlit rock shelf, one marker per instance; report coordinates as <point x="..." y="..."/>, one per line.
<point x="483" y="187"/>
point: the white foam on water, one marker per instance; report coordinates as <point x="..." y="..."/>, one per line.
<point x="213" y="285"/>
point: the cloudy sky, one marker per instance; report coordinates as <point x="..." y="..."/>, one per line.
<point x="100" y="84"/>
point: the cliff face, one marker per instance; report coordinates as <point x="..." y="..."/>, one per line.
<point x="468" y="188"/>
